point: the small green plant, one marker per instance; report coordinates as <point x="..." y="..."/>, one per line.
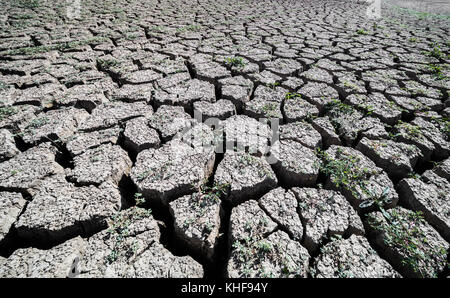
<point x="254" y="251"/>
<point x="290" y="95"/>
<point x="336" y="107"/>
<point x="264" y="246"/>
<point x="209" y="227"/>
<point x="250" y="250"/>
<point x="139" y="199"/>
<point x="350" y="85"/>
<point x="270" y="109"/>
<point x="202" y="200"/>
<point x="131" y="36"/>
<point x="24" y="16"/>
<point x="211" y="194"/>
<point x="415" y="91"/>
<point x="435" y="51"/>
<point x="158" y="29"/>
<point x="14" y="172"/>
<point x="411" y="130"/>
<point x="436" y="70"/>
<point x="443" y="125"/>
<point x="143" y="175"/>
<point x="273" y="85"/>
<point x="235" y="61"/>
<point x="107" y="64"/>
<point x="362" y="32"/>
<point x="28" y="3"/>
<point x="6" y="112"/>
<point x="188" y="222"/>
<point x="38" y="122"/>
<point x="119" y="229"/>
<point x="344" y="171"/>
<point x="189" y="28"/>
<point x="402" y="231"/>
<point x="413" y="39"/>
<point x="368" y="109"/>
<point x="158" y="173"/>
<point x="95" y="158"/>
<point x="413" y="175"/>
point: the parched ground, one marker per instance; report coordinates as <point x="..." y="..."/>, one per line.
<point x="105" y="171"/>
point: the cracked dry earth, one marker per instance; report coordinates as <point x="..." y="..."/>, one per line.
<point x="96" y="179"/>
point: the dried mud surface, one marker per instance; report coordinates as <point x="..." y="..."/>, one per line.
<point x="100" y="175"/>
